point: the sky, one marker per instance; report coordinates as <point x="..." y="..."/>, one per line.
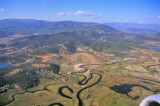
<point x="99" y="11"/>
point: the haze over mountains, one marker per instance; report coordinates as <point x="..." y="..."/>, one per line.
<point x="10" y="27"/>
<point x="30" y="26"/>
<point x="135" y="27"/>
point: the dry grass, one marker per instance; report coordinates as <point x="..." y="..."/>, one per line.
<point x="45" y="58"/>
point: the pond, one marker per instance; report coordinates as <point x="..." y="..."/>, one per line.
<point x="2" y="65"/>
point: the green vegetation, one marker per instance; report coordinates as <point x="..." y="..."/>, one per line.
<point x="119" y="48"/>
<point x="113" y="102"/>
<point x="27" y="76"/>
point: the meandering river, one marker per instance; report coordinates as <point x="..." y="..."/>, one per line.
<point x="124" y="88"/>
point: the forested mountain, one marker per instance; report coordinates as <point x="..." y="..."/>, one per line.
<point x="9" y="27"/>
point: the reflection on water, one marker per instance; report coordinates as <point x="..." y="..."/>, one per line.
<point x="5" y="65"/>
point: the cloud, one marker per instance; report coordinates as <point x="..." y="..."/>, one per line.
<point x="61" y="13"/>
<point x="80" y="13"/>
<point x="83" y="13"/>
<point x="159" y="16"/>
<point x="2" y="9"/>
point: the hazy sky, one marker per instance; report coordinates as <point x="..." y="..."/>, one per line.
<point x="101" y="11"/>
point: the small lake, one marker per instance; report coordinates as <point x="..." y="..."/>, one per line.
<point x="2" y="65"/>
<point x="152" y="47"/>
<point x="1" y="54"/>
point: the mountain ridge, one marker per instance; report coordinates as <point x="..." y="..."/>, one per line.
<point x="10" y="27"/>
